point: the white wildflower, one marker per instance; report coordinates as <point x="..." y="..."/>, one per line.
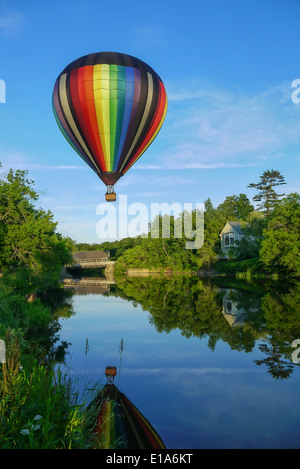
<point x="25" y="431"/>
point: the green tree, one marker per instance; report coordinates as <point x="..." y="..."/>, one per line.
<point x="280" y="246"/>
<point x="28" y="237"/>
<point x="236" y="207"/>
<point x="243" y="207"/>
<point x="228" y="208"/>
<point x="248" y="247"/>
<point x="214" y="220"/>
<point x="267" y="196"/>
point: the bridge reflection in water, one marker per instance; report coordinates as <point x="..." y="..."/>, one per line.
<point x="89" y="260"/>
<point x="89" y="284"/>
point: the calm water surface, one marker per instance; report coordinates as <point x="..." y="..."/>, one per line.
<point x="208" y="366"/>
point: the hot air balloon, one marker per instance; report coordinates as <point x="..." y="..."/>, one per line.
<point x="110" y="107"/>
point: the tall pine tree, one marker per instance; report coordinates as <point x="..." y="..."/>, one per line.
<point x="267" y="195"/>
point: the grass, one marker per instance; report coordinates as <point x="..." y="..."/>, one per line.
<point x="39" y="408"/>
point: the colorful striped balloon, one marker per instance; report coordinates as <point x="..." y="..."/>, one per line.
<point x="110" y="107"/>
<point x="120" y="424"/>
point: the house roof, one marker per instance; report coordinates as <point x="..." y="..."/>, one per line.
<point x="90" y="255"/>
<point x="235" y="225"/>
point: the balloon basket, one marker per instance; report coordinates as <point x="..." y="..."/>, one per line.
<point x="110" y="196"/>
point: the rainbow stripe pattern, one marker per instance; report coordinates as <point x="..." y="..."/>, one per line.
<point x="121" y="425"/>
<point x="110" y="107"/>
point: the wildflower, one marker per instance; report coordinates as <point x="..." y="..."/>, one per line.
<point x="25" y="431"/>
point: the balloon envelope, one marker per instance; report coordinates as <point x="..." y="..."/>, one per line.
<point x="110" y="107"/>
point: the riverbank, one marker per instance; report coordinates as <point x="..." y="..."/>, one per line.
<point x="156" y="272"/>
<point x="39" y="407"/>
<point x="246" y="269"/>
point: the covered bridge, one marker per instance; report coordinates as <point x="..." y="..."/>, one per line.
<point x="91" y="259"/>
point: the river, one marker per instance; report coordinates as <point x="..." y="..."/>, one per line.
<point x="209" y="364"/>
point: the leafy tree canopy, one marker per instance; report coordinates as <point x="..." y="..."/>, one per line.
<point x="280" y="246"/>
<point x="28" y="235"/>
<point x="236" y="207"/>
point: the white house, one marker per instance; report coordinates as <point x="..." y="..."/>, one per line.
<point x="231" y="233"/>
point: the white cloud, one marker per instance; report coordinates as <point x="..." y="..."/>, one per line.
<point x="192" y="371"/>
<point x="11" y="22"/>
<point x="212" y="128"/>
<point x="18" y="161"/>
<point x="54" y="167"/>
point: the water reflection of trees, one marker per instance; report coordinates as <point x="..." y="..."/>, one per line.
<point x="244" y="315"/>
<point x="283" y="324"/>
<point x="59" y="300"/>
<point x="268" y="317"/>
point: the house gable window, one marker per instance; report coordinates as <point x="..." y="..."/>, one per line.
<point x="229" y="240"/>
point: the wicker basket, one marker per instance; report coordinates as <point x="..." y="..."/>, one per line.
<point x="110" y="197"/>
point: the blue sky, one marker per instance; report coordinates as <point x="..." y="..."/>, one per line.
<point x="227" y="66"/>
